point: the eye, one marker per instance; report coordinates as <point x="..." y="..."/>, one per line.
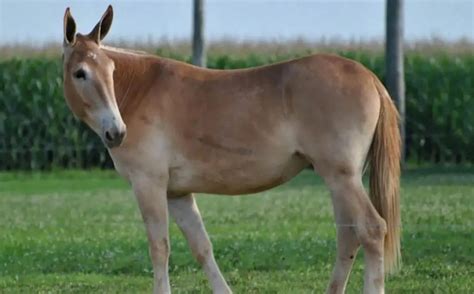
<point x="80" y="74"/>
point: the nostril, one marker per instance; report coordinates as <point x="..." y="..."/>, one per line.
<point x="108" y="136"/>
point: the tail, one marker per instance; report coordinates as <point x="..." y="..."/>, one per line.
<point x="384" y="159"/>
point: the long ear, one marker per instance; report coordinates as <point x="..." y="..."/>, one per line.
<point x="69" y="28"/>
<point x="101" y="29"/>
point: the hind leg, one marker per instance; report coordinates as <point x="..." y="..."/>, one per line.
<point x="357" y="223"/>
<point x="347" y="247"/>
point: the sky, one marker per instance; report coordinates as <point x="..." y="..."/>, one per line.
<point x="40" y="21"/>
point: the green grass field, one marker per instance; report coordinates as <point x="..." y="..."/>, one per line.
<point x="80" y="231"/>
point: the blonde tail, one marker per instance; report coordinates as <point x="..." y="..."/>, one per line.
<point x="384" y="159"/>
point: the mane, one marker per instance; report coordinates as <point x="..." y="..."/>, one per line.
<point x="125" y="51"/>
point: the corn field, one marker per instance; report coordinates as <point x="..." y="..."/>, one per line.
<point x="37" y="131"/>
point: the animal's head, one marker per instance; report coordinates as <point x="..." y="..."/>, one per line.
<point x="88" y="79"/>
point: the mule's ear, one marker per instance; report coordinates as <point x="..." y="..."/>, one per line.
<point x="69" y="28"/>
<point x="101" y="29"/>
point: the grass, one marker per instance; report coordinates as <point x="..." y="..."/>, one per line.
<point x="80" y="232"/>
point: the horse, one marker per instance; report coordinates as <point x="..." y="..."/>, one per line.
<point x="173" y="129"/>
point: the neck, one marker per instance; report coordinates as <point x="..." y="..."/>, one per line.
<point x="133" y="78"/>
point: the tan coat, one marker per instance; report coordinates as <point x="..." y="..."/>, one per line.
<point x="174" y="129"/>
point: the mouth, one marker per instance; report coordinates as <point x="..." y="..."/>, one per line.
<point x="112" y="144"/>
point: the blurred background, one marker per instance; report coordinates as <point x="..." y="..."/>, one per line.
<point x="68" y="223"/>
<point x="238" y="20"/>
<point x="437" y="38"/>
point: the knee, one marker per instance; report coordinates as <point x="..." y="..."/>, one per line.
<point x="372" y="233"/>
<point x="160" y="251"/>
<point x="202" y="253"/>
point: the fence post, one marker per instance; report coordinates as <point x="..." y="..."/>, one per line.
<point x="395" y="79"/>
<point x="199" y="51"/>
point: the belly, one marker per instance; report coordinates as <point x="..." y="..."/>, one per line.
<point x="234" y="175"/>
<point x="240" y="156"/>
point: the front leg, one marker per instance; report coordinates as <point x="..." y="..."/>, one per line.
<point x="186" y="214"/>
<point x="152" y="200"/>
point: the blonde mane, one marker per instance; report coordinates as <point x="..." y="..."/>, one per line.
<point x="124" y="50"/>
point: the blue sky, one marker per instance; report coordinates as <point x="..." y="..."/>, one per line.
<point x="40" y="21"/>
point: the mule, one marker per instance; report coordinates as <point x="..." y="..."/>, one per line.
<point x="173" y="129"/>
